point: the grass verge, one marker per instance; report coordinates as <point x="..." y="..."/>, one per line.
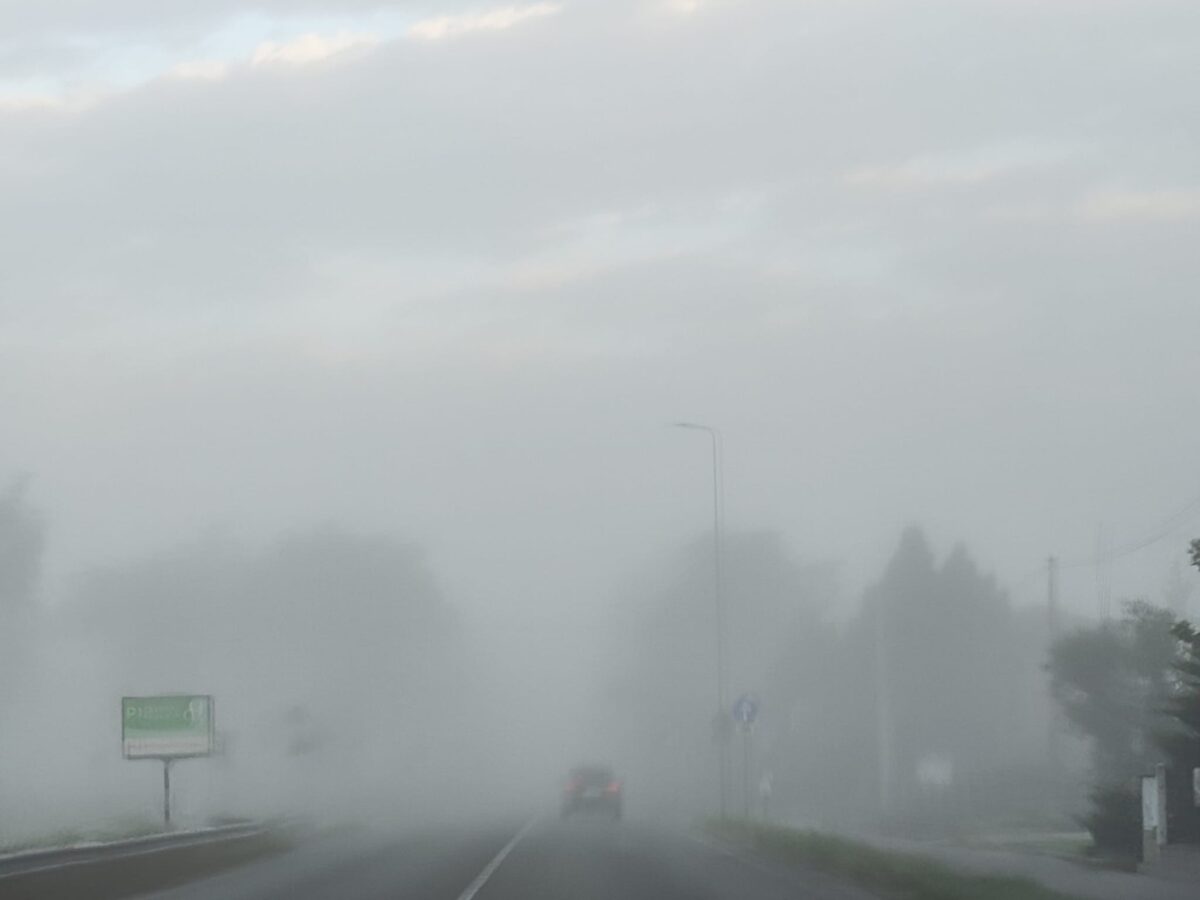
<point x="105" y="878"/>
<point x="122" y="829"/>
<point x="893" y="874"/>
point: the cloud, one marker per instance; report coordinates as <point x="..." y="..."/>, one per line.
<point x="972" y="167"/>
<point x="311" y="48"/>
<point x="1117" y="205"/>
<point x="690" y="7"/>
<point x="23" y="21"/>
<point x="29" y="101"/>
<point x="201" y="70"/>
<point x="500" y="19"/>
<point x="169" y="248"/>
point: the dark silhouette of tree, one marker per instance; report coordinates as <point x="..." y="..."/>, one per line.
<point x="952" y="661"/>
<point x="1114" y="684"/>
<point x="22" y="541"/>
<point x="1181" y="743"/>
<point x="664" y="686"/>
<point x="937" y="671"/>
<point x="322" y="618"/>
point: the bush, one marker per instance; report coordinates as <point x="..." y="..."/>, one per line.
<point x="1115" y="822"/>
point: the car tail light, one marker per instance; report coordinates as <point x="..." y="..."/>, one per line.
<point x="614" y="787"/>
<point x="572" y="786"/>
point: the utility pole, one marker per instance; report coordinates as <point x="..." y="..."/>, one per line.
<point x="722" y="717"/>
<point x="883" y="708"/>
<point x="1103" y="573"/>
<point x="1052" y="629"/>
<point x="1052" y="623"/>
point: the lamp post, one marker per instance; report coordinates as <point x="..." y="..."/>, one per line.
<point x="718" y="602"/>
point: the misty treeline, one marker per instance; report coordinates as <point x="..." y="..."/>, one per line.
<point x="340" y="674"/>
<point x="937" y="706"/>
<point x="927" y="708"/>
<point x="22" y="544"/>
<point x="345" y="678"/>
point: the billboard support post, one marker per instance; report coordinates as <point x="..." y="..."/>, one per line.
<point x="167" y="792"/>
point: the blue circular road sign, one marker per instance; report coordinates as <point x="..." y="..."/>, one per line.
<point x="745" y="710"/>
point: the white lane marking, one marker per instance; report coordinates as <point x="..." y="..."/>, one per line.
<point x="490" y="869"/>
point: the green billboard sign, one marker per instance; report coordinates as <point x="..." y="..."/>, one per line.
<point x="167" y="727"/>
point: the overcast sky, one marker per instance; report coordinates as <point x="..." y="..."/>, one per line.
<point x="448" y="271"/>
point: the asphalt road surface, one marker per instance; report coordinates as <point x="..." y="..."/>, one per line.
<point x="545" y="859"/>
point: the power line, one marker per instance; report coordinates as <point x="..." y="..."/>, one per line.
<point x="1165" y="529"/>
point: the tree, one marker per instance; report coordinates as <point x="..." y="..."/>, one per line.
<point x="1114" y="683"/>
<point x="22" y="541"/>
<point x="1181" y="743"/>
<point x="930" y="683"/>
<point x="354" y="628"/>
<point x="952" y="663"/>
<point x="663" y="686"/>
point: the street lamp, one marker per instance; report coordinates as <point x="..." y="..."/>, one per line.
<point x="718" y="585"/>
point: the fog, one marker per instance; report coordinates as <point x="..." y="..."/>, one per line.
<point x="341" y="345"/>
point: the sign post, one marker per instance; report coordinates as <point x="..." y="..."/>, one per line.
<point x="1150" y="822"/>
<point x="764" y="795"/>
<point x="1160" y="799"/>
<point x="166" y="728"/>
<point x="745" y="711"/>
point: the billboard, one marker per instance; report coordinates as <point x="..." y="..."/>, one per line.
<point x="167" y="727"/>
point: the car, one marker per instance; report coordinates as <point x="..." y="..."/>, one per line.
<point x="592" y="789"/>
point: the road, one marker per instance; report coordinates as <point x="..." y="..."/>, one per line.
<point x="544" y="859"/>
